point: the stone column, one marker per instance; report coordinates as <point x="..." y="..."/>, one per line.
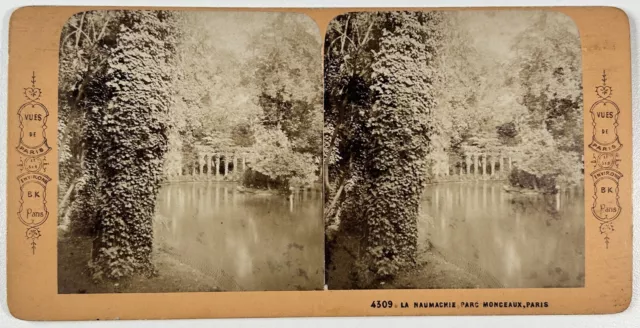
<point x="501" y="163"/>
<point x="223" y="165"/>
<point x="222" y="171"/>
<point x="484" y="165"/>
<point x="226" y="165"/>
<point x="493" y="165"/>
<point x="217" y="166"/>
<point x="475" y="164"/>
<point x="244" y="164"/>
<point x="202" y="163"/>
<point x="235" y="164"/>
<point x="468" y="162"/>
<point x="209" y="166"/>
<point x="196" y="166"/>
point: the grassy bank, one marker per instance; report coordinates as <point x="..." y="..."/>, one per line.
<point x="74" y="254"/>
<point x="434" y="270"/>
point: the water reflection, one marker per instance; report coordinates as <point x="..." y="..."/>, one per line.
<point x="518" y="240"/>
<point x="245" y="241"/>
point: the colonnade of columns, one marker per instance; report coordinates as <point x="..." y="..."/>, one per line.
<point x="476" y="166"/>
<point x="218" y="165"/>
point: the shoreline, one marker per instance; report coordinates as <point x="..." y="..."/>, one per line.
<point x="433" y="270"/>
<point x="74" y="252"/>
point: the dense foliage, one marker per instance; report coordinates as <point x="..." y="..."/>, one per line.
<point x="276" y="165"/>
<point x="288" y="76"/>
<point x="523" y="100"/>
<point x="226" y="96"/>
<point x="551" y="131"/>
<point x="138" y="80"/>
<point x="391" y="110"/>
<point x="85" y="46"/>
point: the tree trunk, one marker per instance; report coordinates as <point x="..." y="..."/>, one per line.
<point x="63" y="204"/>
<point x="131" y="158"/>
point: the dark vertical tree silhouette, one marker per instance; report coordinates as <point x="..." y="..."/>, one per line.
<point x="387" y="99"/>
<point x="133" y="143"/>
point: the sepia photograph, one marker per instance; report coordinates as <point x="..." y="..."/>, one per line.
<point x="453" y="150"/>
<point x="171" y="163"/>
<point x="190" y="152"/>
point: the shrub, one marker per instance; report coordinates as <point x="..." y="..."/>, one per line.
<point x="547" y="171"/>
<point x="274" y="164"/>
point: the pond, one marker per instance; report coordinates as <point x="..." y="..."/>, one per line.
<point x="515" y="240"/>
<point x="244" y="241"/>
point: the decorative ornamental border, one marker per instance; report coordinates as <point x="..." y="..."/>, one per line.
<point x="33" y="148"/>
<point x="605" y="143"/>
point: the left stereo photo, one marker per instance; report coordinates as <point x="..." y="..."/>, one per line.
<point x="189" y="149"/>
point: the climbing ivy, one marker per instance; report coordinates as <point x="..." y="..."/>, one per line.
<point x="85" y="44"/>
<point x="399" y="126"/>
<point x="133" y="143"/>
<point x="83" y="218"/>
<point x="386" y="162"/>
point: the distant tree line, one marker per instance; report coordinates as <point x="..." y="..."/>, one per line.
<point x="529" y="104"/>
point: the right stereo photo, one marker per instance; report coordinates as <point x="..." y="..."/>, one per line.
<point x="453" y="150"/>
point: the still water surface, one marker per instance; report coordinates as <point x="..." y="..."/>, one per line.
<point x="260" y="242"/>
<point x="519" y="241"/>
<point x="245" y="241"/>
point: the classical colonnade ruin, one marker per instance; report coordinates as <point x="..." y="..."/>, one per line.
<point x="475" y="165"/>
<point x="211" y="165"/>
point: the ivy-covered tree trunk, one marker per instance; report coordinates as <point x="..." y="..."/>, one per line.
<point x="134" y="143"/>
<point x="83" y="209"/>
<point x="398" y="128"/>
<point x="84" y="215"/>
<point x="86" y="42"/>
